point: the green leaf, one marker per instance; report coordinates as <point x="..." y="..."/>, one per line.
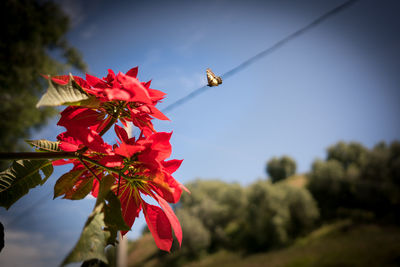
<point x="92" y="241"/>
<point x="23" y="175"/>
<point x="113" y="217"/>
<point x="105" y="186"/>
<point x="44" y="145"/>
<point x="66" y="182"/>
<point x="81" y="190"/>
<point x="57" y="94"/>
<point x="91" y="102"/>
<point x="101" y="227"/>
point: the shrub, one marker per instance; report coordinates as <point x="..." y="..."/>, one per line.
<point x="281" y="168"/>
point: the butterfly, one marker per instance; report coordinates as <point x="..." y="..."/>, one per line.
<point x="212" y="79"/>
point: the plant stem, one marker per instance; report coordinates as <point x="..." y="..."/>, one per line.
<point x="37" y="155"/>
<point x="90" y="170"/>
<point x="114" y="170"/>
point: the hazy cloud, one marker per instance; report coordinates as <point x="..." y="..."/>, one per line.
<point x="74" y="10"/>
<point x="30" y="249"/>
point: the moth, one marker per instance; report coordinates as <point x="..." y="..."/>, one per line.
<point x="212" y="79"/>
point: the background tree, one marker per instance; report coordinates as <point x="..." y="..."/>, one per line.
<point x="352" y="153"/>
<point x="280" y="168"/>
<point x="34" y="30"/>
<point x="357" y="182"/>
<point x="218" y="206"/>
<point x="275" y="215"/>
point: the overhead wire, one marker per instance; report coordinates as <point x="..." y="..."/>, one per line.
<point x="265" y="52"/>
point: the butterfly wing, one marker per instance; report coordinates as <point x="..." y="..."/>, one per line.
<point x="210" y="76"/>
<point x="212" y="79"/>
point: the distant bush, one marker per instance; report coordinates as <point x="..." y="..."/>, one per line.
<point x="254" y="218"/>
<point x="218" y="206"/>
<point x="356" y="178"/>
<point x="275" y="215"/>
<point x="352" y="153"/>
<point x="280" y="168"/>
<point x="196" y="239"/>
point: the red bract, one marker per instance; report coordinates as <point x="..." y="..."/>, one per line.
<point x="122" y="94"/>
<point x="152" y="176"/>
<point x="140" y="166"/>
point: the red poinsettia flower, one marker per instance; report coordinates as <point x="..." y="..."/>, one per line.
<point x="140" y="166"/>
<point x="149" y="174"/>
<point x="134" y="100"/>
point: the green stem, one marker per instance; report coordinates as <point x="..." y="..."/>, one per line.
<point x="114" y="170"/>
<point x="37" y="155"/>
<point x="89" y="169"/>
<point x="58" y="155"/>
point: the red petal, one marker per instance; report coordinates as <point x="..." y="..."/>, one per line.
<point x="80" y="116"/>
<point x="133" y="72"/>
<point x="133" y="85"/>
<point x="65" y="146"/>
<point x="118" y="94"/>
<point x="112" y="161"/>
<point x="95" y="188"/>
<point x="147" y="85"/>
<point x="161" y="144"/>
<point x="158" y="114"/>
<point x="89" y="138"/>
<point x="156" y="95"/>
<point x="159" y="226"/>
<point x="121" y="133"/>
<point x="95" y="82"/>
<point x="62" y="80"/>
<point x="172" y="218"/>
<point x="171" y="166"/>
<point x="129" y="205"/>
<point x="167" y="187"/>
<point x="128" y="150"/>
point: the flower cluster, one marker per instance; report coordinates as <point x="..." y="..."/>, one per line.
<point x="139" y="165"/>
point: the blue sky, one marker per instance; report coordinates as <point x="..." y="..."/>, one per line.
<point x="337" y="82"/>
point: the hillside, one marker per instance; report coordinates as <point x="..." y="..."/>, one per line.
<point x="339" y="244"/>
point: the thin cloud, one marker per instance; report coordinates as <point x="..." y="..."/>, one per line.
<point x="31" y="249"/>
<point x="88" y="32"/>
<point x="74" y="10"/>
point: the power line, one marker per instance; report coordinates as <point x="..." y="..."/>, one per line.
<point x="265" y="52"/>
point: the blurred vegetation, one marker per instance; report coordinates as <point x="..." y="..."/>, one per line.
<point x="34" y="31"/>
<point x="356" y="181"/>
<point x="339" y="244"/>
<point x="344" y="212"/>
<point x="280" y="168"/>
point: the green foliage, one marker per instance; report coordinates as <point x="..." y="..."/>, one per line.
<point x="101" y="227"/>
<point x="80" y="190"/>
<point x="92" y="241"/>
<point x="275" y="215"/>
<point x="16" y="181"/>
<point x="355" y="180"/>
<point x="196" y="239"/>
<point x="254" y="218"/>
<point x="328" y="185"/>
<point x="348" y="154"/>
<point x="218" y="206"/>
<point x="339" y="244"/>
<point x="34" y="30"/>
<point x="66" y="182"/>
<point x="44" y="145"/>
<point x="58" y="94"/>
<point x="281" y="168"/>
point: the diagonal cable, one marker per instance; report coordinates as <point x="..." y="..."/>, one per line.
<point x="265" y="52"/>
